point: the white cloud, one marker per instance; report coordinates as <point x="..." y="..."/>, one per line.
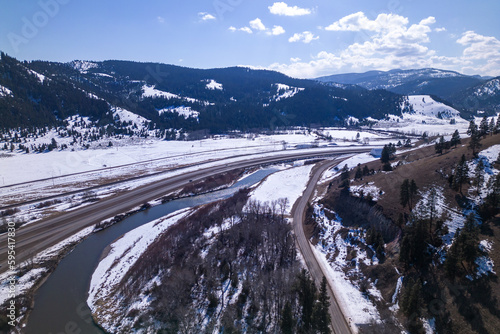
<point x="482" y="53"/>
<point x="305" y="37"/>
<point x="257" y="24"/>
<point x="281" y="8"/>
<point x="389" y="41"/>
<point x="160" y="19"/>
<point x="206" y="16"/>
<point x="244" y="29"/>
<point x="479" y="46"/>
<point x="277" y="30"/>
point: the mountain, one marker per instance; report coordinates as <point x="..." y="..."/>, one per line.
<point x="483" y="97"/>
<point x="41" y="93"/>
<point x="427" y="81"/>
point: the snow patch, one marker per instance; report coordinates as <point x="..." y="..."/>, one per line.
<point x="151" y="91"/>
<point x="128" y="116"/>
<point x="366" y="189"/>
<point x="214" y="85"/>
<point x="40" y="77"/>
<point x="285" y="91"/>
<point x="186" y="112"/>
<point x="83" y="66"/>
<point x="4" y="91"/>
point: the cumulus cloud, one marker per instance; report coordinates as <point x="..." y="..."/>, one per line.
<point x="257" y="24"/>
<point x="386" y="42"/>
<point x="390" y="41"/>
<point x="479" y="46"/>
<point x="281" y="8"/>
<point x="244" y="29"/>
<point x="481" y="52"/>
<point x="305" y="37"/>
<point x="277" y="30"/>
<point x="206" y="16"/>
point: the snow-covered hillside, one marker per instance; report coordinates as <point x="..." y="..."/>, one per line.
<point x="83" y="66"/>
<point x="421" y="113"/>
<point x="490" y="88"/>
<point x="186" y="112"/>
<point x="152" y="92"/>
<point x="426" y="106"/>
<point x="284" y="91"/>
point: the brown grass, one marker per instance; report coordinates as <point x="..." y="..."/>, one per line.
<point x="427" y="169"/>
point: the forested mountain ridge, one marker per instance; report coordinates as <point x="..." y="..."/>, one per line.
<point x="172" y="97"/>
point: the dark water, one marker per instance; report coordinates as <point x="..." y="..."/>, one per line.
<point x="60" y="303"/>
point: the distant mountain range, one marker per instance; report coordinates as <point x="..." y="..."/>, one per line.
<point x="166" y="97"/>
<point x="466" y="93"/>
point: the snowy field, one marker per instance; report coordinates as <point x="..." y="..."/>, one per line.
<point x="289" y="184"/>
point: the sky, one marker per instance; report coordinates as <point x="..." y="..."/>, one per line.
<point x="303" y="39"/>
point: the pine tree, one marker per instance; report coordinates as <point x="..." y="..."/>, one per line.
<point x="468" y="242"/>
<point x="472" y="127"/>
<point x="479" y="176"/>
<point x="475" y="142"/>
<point x="287" y="322"/>
<point x="452" y="258"/>
<point x="439" y="146"/>
<point x="412" y="301"/>
<point x="359" y="173"/>
<point x="455" y="139"/>
<point x="483" y="126"/>
<point x="497" y="125"/>
<point x="461" y="174"/>
<point x="307" y="297"/>
<point x="386" y="155"/>
<point x="432" y="204"/>
<point x="491" y="127"/>
<point x="404" y="193"/>
<point x="321" y="315"/>
<point x="366" y="171"/>
<point x="345" y="178"/>
<point x="413" y="192"/>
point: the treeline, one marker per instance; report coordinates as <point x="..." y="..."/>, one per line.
<point x="224" y="269"/>
<point x="245" y="102"/>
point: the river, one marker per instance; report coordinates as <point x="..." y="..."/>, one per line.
<point x="60" y="303"/>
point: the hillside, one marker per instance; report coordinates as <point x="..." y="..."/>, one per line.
<point x="484" y="97"/>
<point x="41" y="93"/>
<point x="461" y="91"/>
<point x="428" y="264"/>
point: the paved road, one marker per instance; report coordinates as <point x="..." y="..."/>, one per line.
<point x="339" y="323"/>
<point x="36" y="237"/>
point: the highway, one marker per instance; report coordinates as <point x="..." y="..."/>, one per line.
<point x="339" y="323"/>
<point x="36" y="237"/>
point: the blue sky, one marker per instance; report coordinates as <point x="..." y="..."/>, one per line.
<point x="299" y="38"/>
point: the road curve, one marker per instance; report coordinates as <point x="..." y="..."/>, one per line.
<point x="339" y="323"/>
<point x="36" y="237"/>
